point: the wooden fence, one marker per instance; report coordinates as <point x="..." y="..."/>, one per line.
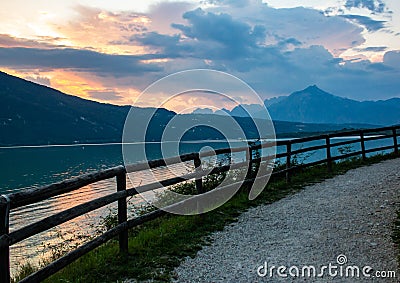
<point x="31" y="196"/>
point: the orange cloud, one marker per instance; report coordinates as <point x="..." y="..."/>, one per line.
<point x="104" y="31"/>
<point x="82" y="85"/>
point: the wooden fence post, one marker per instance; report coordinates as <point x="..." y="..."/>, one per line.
<point x="395" y="145"/>
<point x="364" y="157"/>
<point x="122" y="213"/>
<point x="4" y="230"/>
<point x="288" y="160"/>
<point x="328" y="153"/>
<point x="198" y="181"/>
<point x="249" y="158"/>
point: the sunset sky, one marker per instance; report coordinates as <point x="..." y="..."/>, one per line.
<point x="110" y="51"/>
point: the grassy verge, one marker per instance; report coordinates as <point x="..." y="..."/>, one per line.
<point x="157" y="247"/>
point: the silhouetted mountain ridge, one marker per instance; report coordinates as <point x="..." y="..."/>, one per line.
<point x="36" y="114"/>
<point x="313" y="105"/>
<point x="32" y="114"/>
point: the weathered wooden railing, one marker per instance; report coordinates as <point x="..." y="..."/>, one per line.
<point x="30" y="196"/>
<point x="374" y="135"/>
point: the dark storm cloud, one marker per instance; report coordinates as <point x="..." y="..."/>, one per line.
<point x="220" y="28"/>
<point x="43" y="42"/>
<point x="379" y="67"/>
<point x="168" y="46"/>
<point x="289" y="42"/>
<point x="235" y="38"/>
<point x="376" y="6"/>
<point x="208" y="36"/>
<point x="156" y="39"/>
<point x="367" y="22"/>
<point x="392" y="58"/>
<point x="78" y="60"/>
<point x="372" y="49"/>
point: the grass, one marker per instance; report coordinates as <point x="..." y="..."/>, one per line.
<point x="157" y="247"/>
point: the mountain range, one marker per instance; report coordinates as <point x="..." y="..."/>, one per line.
<point x="313" y="105"/>
<point x="32" y="114"/>
<point x="36" y="114"/>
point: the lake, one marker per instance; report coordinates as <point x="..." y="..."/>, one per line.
<point x="27" y="167"/>
<point x="35" y="166"/>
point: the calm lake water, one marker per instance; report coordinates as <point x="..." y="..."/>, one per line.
<point x="27" y="167"/>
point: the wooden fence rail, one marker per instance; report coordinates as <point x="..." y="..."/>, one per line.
<point x="30" y="196"/>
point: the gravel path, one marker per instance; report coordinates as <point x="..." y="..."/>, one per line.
<point x="350" y="215"/>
